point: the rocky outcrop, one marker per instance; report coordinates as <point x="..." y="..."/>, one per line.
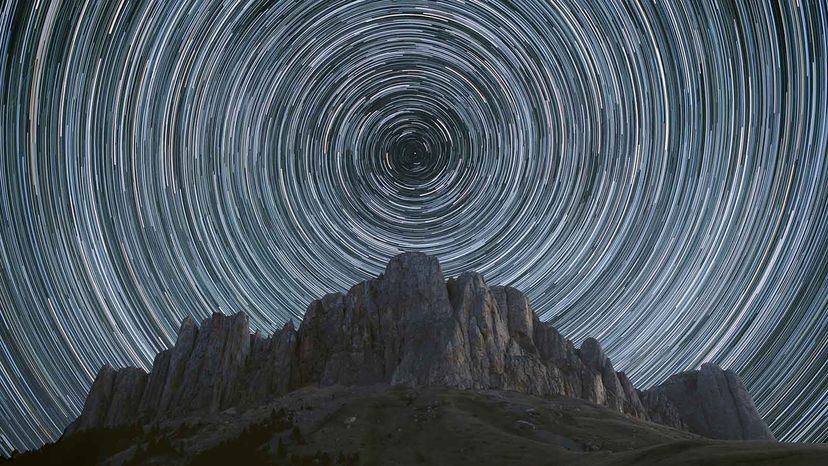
<point x="408" y="326"/>
<point x="98" y="401"/>
<point x="659" y="409"/>
<point x="269" y="366"/>
<point x="711" y="401"/>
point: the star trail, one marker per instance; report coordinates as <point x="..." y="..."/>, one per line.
<point x="651" y="173"/>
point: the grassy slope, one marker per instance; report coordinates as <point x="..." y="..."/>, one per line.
<point x="435" y="427"/>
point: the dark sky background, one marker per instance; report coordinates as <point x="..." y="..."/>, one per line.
<point x="653" y="174"/>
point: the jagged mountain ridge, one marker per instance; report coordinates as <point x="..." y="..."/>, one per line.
<point x="409" y="326"/>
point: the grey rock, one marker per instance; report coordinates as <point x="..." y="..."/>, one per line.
<point x="178" y="363"/>
<point x="270" y="366"/>
<point x="560" y="353"/>
<point x="592" y="386"/>
<point x="407" y="327"/>
<point x="632" y="405"/>
<point x="431" y="351"/>
<point x="483" y="330"/>
<point x="341" y="340"/>
<point x="217" y="358"/>
<point x="660" y="410"/>
<point x="714" y="403"/>
<point x="127" y="390"/>
<point x="520" y="316"/>
<point x="598" y="363"/>
<point x="97" y="401"/>
<point x="151" y="399"/>
<point x="113" y="400"/>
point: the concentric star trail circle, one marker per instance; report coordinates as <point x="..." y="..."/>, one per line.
<point x="653" y="174"/>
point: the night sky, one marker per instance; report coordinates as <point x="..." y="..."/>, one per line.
<point x="651" y="173"/>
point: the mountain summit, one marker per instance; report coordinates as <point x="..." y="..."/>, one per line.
<point x="408" y="327"/>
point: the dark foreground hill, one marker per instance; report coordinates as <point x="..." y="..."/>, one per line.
<point x="384" y="425"/>
<point x="409" y="369"/>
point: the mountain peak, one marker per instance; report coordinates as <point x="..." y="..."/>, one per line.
<point x="414" y="260"/>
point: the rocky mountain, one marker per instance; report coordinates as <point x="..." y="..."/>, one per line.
<point x="408" y="327"/>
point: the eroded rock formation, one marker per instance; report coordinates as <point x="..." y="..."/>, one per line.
<point x="714" y="403"/>
<point x="408" y="326"/>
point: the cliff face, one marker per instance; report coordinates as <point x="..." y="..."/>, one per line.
<point x="408" y="326"/>
<point x="714" y="403"/>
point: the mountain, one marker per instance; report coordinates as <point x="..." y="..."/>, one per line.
<point x="409" y="345"/>
<point x="408" y="327"/>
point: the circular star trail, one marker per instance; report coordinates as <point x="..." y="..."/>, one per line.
<point x="653" y="174"/>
